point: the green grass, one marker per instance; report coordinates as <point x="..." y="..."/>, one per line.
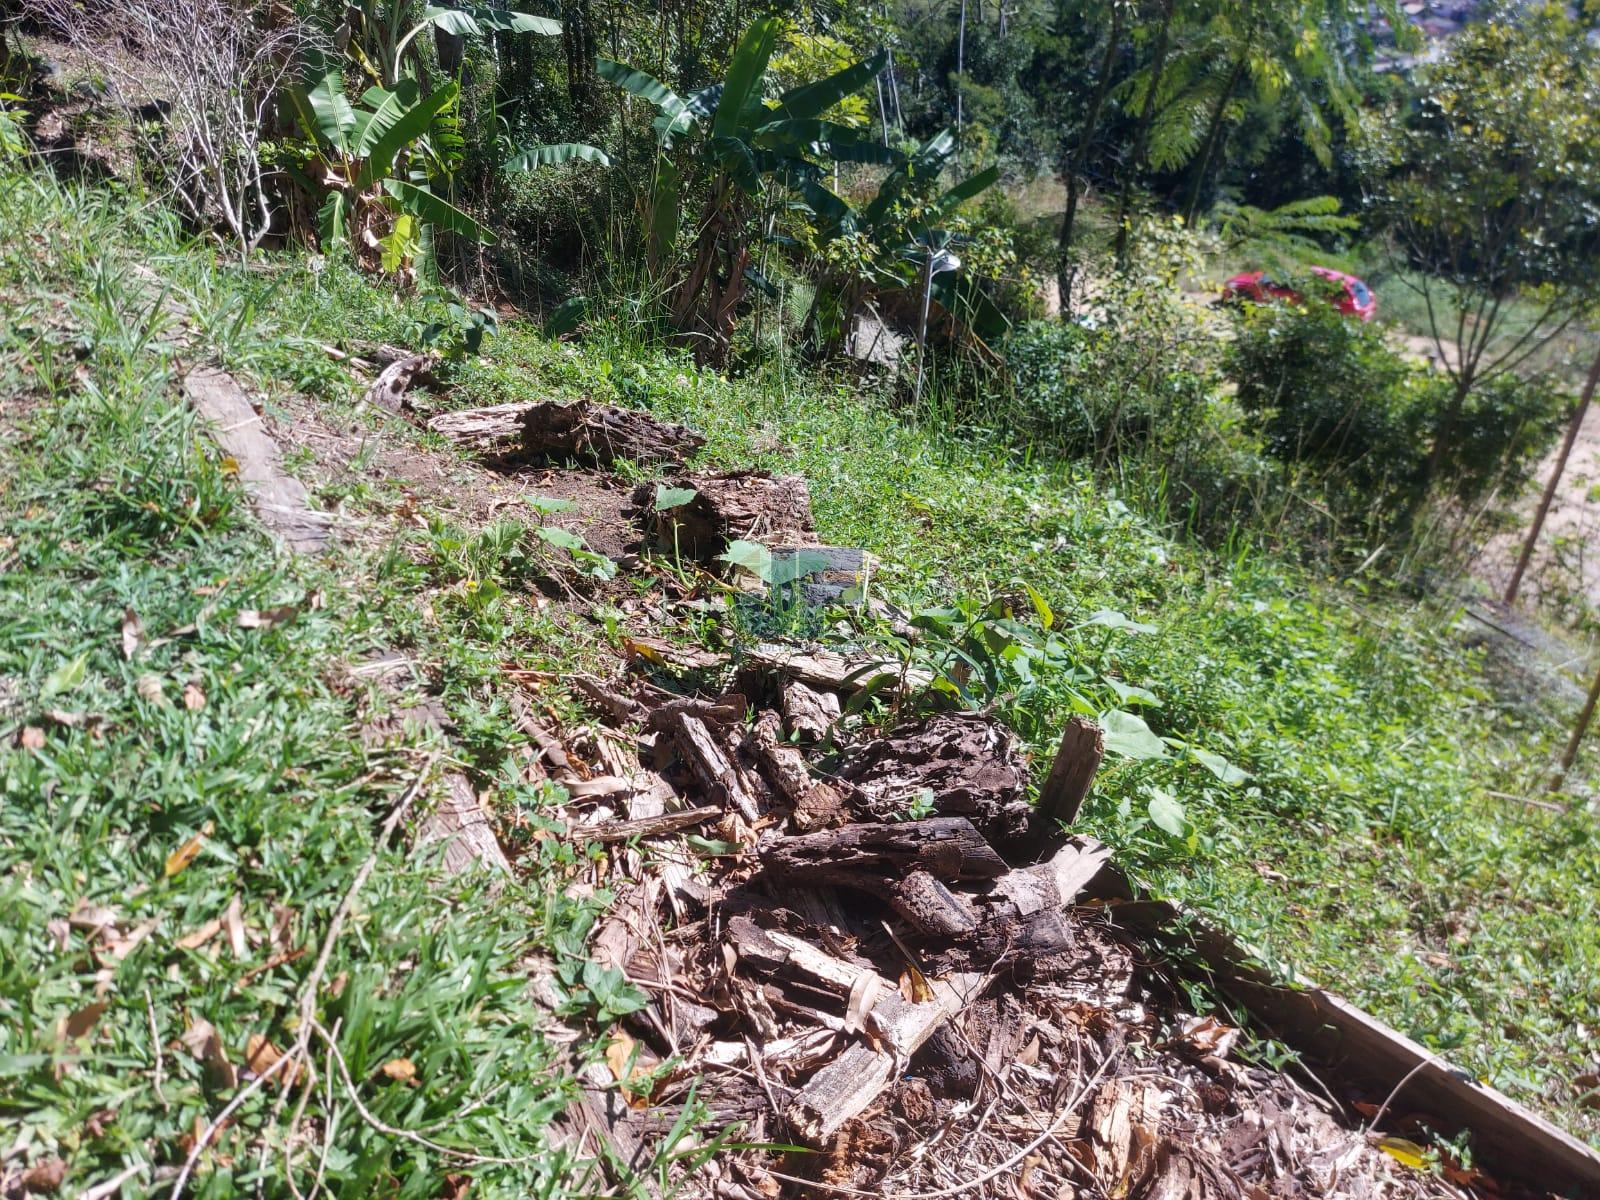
<point x="244" y="746"/>
<point x="1367" y="849"/>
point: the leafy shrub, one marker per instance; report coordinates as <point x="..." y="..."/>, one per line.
<point x="1328" y="394"/>
<point x="1133" y="370"/>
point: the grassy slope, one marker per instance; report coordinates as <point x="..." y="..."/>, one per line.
<point x="1363" y="850"/>
<point x="110" y="501"/>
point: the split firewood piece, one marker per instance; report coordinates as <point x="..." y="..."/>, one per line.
<point x="821" y="668"/>
<point x="1071" y="774"/>
<point x="619" y="709"/>
<point x="848" y="1085"/>
<point x="722" y="780"/>
<point x="390" y="390"/>
<point x="736" y="506"/>
<point x="809" y="714"/>
<point x="482" y="428"/>
<point x="772" y="951"/>
<point x="1048" y="886"/>
<point x="724" y="710"/>
<point x="602" y="434"/>
<point x="643" y="827"/>
<point x="812" y="803"/>
<point x="945" y="847"/>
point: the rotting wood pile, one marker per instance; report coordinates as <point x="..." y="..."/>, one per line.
<point x="867" y="951"/>
<point x="881" y="972"/>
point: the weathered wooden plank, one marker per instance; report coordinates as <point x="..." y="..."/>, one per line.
<point x="1071" y="774"/>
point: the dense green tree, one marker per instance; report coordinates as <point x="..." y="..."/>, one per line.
<point x="1490" y="191"/>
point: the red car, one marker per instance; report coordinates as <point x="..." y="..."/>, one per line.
<point x="1350" y="295"/>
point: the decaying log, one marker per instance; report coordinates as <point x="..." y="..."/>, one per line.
<point x="1071" y="774"/>
<point x="1050" y="885"/>
<point x="491" y="428"/>
<point x="391" y="388"/>
<point x="673" y="822"/>
<point x="946" y="847"/>
<point x="848" y="1085"/>
<point x="460" y="822"/>
<point x="969" y="765"/>
<point x="682" y="659"/>
<point x="601" y="434"/>
<point x="739" y="505"/>
<point x="278" y="498"/>
<point x="722" y="780"/>
<point x="812" y="803"/>
<point x="834" y="672"/>
<point x="808" y="713"/>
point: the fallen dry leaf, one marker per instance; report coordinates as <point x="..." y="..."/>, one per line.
<point x="118" y="945"/>
<point x="266" y="618"/>
<point x="149" y="687"/>
<point x="186" y="853"/>
<point x="44" y="1177"/>
<point x="401" y="1070"/>
<point x="132" y="632"/>
<point x="31" y="738"/>
<point x="92" y="918"/>
<point x="199" y="937"/>
<point x="202" y="1041"/>
<point x="1207" y="1035"/>
<point x="1406" y="1153"/>
<point x="629" y="1061"/>
<point x="193" y="698"/>
<point x="69" y="720"/>
<point x="261" y="1055"/>
<point x="81" y="1023"/>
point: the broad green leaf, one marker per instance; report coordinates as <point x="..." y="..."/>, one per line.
<point x="565" y="539"/>
<point x="1128" y="736"/>
<point x="673" y="497"/>
<point x="814" y="99"/>
<point x="470" y="20"/>
<point x="393" y="129"/>
<point x="64" y="678"/>
<point x="1166" y="813"/>
<point x="548" y="504"/>
<point x="795" y="564"/>
<point x="331" y="221"/>
<point x="641" y="84"/>
<point x="332" y="114"/>
<point x="751" y="556"/>
<point x="1111" y="619"/>
<point x="400" y="244"/>
<point x="665" y="205"/>
<point x="566" y="316"/>
<point x="743" y="84"/>
<point x="530" y="158"/>
<point x="436" y="210"/>
<point x="1040" y="608"/>
<point x="964" y="191"/>
<point x="1127" y="693"/>
<point x="1220" y="767"/>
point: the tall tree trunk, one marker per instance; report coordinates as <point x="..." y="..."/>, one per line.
<point x="1141" y="139"/>
<point x="581" y="45"/>
<point x="1537" y="526"/>
<point x="1080" y="159"/>
<point x="1213" y="137"/>
<point x="961" y="66"/>
<point x="1585" y="718"/>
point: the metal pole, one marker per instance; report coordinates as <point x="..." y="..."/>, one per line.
<point x="922" y="325"/>
<point x="1543" y="511"/>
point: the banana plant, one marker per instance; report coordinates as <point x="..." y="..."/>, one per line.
<point x="377" y="33"/>
<point x="750" y="148"/>
<point x="381" y="165"/>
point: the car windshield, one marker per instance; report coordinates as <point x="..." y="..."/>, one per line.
<point x="1359" y="291"/>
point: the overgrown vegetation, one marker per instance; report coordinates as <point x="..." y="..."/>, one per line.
<point x="1218" y="534"/>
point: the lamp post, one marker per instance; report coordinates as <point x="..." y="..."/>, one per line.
<point x="935" y="262"/>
